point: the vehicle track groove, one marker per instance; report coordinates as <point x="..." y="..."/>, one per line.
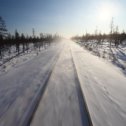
<point x="82" y="101"/>
<point x="29" y="114"/>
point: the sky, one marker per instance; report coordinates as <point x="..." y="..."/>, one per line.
<point x="65" y="17"/>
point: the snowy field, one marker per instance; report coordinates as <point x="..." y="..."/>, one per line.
<point x="8" y="62"/>
<point x="103" y="87"/>
<point x="117" y="55"/>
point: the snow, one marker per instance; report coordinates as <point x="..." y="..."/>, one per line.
<point x="117" y="55"/>
<point x="59" y="105"/>
<point x="103" y="85"/>
<point x="11" y="61"/>
<point x="19" y="85"/>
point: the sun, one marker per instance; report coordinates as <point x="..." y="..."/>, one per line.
<point x="106" y="12"/>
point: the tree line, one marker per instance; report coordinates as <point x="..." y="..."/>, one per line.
<point x="22" y="42"/>
<point x="114" y="37"/>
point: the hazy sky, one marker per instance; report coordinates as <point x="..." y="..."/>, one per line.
<point x="66" y="17"/>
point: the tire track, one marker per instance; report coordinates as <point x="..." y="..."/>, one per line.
<point x="85" y="115"/>
<point x="29" y="114"/>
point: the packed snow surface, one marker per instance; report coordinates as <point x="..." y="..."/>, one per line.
<point x="104" y="87"/>
<point x="102" y="83"/>
<point x="60" y="104"/>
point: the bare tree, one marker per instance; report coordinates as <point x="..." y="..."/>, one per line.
<point x="17" y="37"/>
<point x="111" y="30"/>
<point x="33" y="33"/>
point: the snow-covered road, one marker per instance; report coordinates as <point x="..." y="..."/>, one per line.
<point x="62" y="103"/>
<point x="103" y="88"/>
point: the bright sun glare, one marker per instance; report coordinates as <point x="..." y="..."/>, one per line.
<point x="107" y="11"/>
